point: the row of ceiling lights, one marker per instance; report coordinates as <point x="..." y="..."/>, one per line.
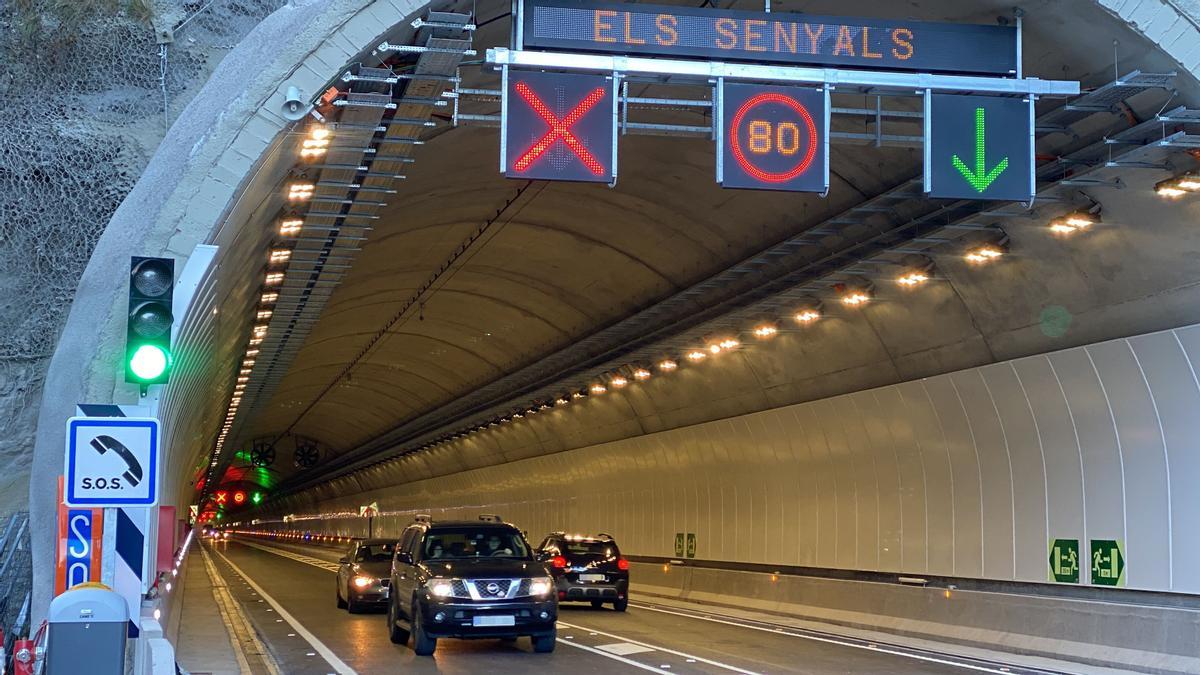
<point x="314" y="146"/>
<point x="854" y="294"/>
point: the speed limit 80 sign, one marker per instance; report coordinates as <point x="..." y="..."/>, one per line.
<point x="774" y="138"/>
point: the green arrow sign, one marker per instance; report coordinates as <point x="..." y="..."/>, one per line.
<point x="1108" y="563"/>
<point x="1064" y="561"/>
<point x="980" y="179"/>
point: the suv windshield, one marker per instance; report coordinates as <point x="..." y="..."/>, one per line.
<point x="604" y="548"/>
<point x="473" y="542"/>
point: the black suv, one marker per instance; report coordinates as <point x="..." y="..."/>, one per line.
<point x="469" y="579"/>
<point x="587" y="569"/>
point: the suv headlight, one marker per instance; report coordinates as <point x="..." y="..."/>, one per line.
<point x="363" y="581"/>
<point x="440" y="588"/>
<point x="540" y="586"/>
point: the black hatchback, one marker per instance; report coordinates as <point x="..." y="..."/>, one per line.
<point x="587" y="569"/>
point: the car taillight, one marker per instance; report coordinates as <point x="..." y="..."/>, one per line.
<point x="622" y="564"/>
<point x="558" y="562"/>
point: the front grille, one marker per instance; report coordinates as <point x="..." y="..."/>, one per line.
<point x="523" y="587"/>
<point x="460" y="589"/>
<point x="492" y="589"/>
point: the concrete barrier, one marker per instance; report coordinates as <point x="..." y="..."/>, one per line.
<point x="1137" y="636"/>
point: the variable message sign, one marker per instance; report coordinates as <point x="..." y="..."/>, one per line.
<point x="773" y="138"/>
<point x="559" y="126"/>
<point x="770" y="37"/>
<point x="981" y="148"/>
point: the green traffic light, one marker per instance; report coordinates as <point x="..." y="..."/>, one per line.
<point x="149" y="362"/>
<point x="257" y="498"/>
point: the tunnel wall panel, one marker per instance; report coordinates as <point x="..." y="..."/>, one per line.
<point x="965" y="475"/>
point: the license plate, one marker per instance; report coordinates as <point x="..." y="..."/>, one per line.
<point x="493" y="621"/>
<point x="591" y="577"/>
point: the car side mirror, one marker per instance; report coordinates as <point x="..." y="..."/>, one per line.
<point x="404" y="558"/>
<point x="344" y="560"/>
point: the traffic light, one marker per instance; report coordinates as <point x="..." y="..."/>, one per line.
<point x="148" y="329"/>
<point x="239" y="497"/>
<point x="257" y="498"/>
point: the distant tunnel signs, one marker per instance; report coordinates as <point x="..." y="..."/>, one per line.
<point x="1108" y="563"/>
<point x="559" y="127"/>
<point x="1064" y="561"/>
<point x="770" y="37"/>
<point x="773" y="138"/>
<point x="980" y="148"/>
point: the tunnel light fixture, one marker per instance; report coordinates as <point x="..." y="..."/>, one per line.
<point x="269" y="298"/>
<point x="260" y="330"/>
<point x="618" y="381"/>
<point x="274" y="278"/>
<point x="698" y="355"/>
<point x="317" y="143"/>
<point x="855" y="298"/>
<point x="578" y="395"/>
<point x="667" y="365"/>
<point x="597" y="389"/>
<point x="714" y="348"/>
<point x="1174" y="188"/>
<point x="728" y="343"/>
<point x="517" y="416"/>
<point x="765" y="331"/>
<point x="300" y="191"/>
<point x="290" y="227"/>
<point x="1078" y="221"/>
<point x="912" y="278"/>
<point x="264" y="314"/>
<point x="248" y="363"/>
<point x="243" y="378"/>
<point x="807" y="316"/>
<point x="279" y="256"/>
<point x="641" y="374"/>
<point x="251" y="352"/>
<point x="562" y="400"/>
<point x="982" y="255"/>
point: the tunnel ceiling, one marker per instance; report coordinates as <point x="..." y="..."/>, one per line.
<point x="557" y="262"/>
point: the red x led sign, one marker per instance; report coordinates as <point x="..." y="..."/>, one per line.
<point x="559" y="127"/>
<point x="773" y="138"/>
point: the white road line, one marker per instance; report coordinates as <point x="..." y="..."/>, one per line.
<point x="325" y="652"/>
<point x="843" y="643"/>
<point x="710" y="662"/>
<point x="606" y="655"/>
<point x="299" y="557"/>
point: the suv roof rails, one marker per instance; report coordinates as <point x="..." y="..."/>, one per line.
<point x="490" y="518"/>
<point x="422" y="518"/>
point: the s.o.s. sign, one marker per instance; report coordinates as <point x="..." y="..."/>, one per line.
<point x="774" y="138"/>
<point x="111" y="461"/>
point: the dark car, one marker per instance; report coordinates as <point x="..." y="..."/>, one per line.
<point x="587" y="569"/>
<point x="364" y="574"/>
<point x="469" y="579"/>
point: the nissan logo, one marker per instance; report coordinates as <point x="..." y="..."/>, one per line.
<point x="493" y="588"/>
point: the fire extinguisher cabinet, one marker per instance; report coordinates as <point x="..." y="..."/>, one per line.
<point x="87" y="629"/>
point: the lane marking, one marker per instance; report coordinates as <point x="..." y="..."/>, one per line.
<point x="649" y="646"/>
<point x="623" y="648"/>
<point x="299" y="557"/>
<point x="606" y="655"/>
<point x="843" y="643"/>
<point x="325" y="652"/>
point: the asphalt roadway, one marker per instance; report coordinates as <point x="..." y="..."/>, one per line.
<point x="287" y="593"/>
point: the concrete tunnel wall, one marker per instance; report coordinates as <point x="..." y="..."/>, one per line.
<point x="968" y="474"/>
<point x="191" y="187"/>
